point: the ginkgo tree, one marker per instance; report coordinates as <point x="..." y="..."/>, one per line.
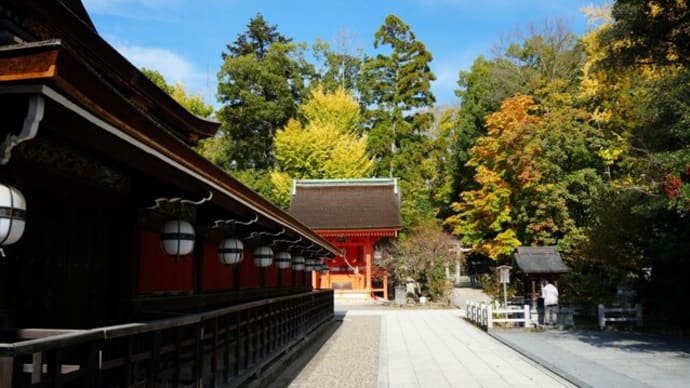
<point x="326" y="146"/>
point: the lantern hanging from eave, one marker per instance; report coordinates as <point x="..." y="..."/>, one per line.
<point x="324" y="269"/>
<point x="310" y="265"/>
<point x="12" y="214"/>
<point x="231" y="251"/>
<point x="283" y="260"/>
<point x="298" y="263"/>
<point x="177" y="238"/>
<point x="263" y="256"/>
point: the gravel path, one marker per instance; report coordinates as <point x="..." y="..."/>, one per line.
<point x="350" y="357"/>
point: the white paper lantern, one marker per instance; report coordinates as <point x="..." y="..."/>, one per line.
<point x="263" y="256"/>
<point x="310" y="265"/>
<point x="298" y="263"/>
<point x="283" y="260"/>
<point x="177" y="238"/>
<point x="12" y="215"/>
<point x="324" y="269"/>
<point x="231" y="251"/>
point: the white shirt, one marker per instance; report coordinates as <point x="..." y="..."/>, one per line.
<point x="550" y="294"/>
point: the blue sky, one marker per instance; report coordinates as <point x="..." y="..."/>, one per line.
<point x="183" y="39"/>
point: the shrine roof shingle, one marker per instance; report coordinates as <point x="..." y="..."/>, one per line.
<point x="347" y="204"/>
<point x="540" y="260"/>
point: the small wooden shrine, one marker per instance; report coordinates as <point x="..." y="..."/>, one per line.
<point x="352" y="214"/>
<point x="539" y="264"/>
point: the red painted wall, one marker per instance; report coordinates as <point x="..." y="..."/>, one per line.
<point x="271" y="276"/>
<point x="159" y="272"/>
<point x="216" y="276"/>
<point x="249" y="273"/>
<point x="286" y="277"/>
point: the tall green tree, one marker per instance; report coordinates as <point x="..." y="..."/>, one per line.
<point x="338" y="67"/>
<point x="260" y="85"/>
<point x="256" y="40"/>
<point x="395" y="88"/>
<point x="481" y="92"/>
<point x="444" y="136"/>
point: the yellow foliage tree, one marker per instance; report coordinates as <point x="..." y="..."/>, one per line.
<point x="326" y="147"/>
<point x="338" y="109"/>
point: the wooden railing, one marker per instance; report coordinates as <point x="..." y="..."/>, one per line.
<point x="619" y="314"/>
<point x="220" y="347"/>
<point x="484" y="315"/>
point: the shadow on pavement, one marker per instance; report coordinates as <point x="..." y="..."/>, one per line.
<point x="634" y="341"/>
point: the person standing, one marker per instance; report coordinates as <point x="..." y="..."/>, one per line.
<point x="550" y="294"/>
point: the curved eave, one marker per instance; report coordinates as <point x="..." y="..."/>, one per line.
<point x="59" y="21"/>
<point x="362" y="232"/>
<point x="49" y="69"/>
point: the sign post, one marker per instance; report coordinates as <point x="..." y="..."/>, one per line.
<point x="504" y="277"/>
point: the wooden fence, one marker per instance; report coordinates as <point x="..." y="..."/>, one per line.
<point x="484" y="315"/>
<point x="221" y="347"/>
<point x="619" y="314"/>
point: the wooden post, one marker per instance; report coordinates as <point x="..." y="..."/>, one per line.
<point x="602" y="316"/>
<point x="534" y="294"/>
<point x="6" y="369"/>
<point x="527" y="315"/>
<point x="385" y="285"/>
<point x="489" y="317"/>
<point x="367" y="258"/>
<point x="36" y="367"/>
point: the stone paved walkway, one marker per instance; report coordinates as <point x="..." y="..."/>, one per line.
<point x="418" y="348"/>
<point x="377" y="346"/>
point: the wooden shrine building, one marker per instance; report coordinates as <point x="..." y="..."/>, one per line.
<point x="127" y="258"/>
<point x="539" y="264"/>
<point x="353" y="215"/>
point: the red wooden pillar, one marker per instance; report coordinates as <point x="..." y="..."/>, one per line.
<point x="367" y="259"/>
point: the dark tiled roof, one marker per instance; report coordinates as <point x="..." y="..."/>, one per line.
<point x="347" y="204"/>
<point x="540" y="260"/>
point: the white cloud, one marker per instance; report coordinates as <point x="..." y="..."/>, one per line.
<point x="447" y="71"/>
<point x="174" y="67"/>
